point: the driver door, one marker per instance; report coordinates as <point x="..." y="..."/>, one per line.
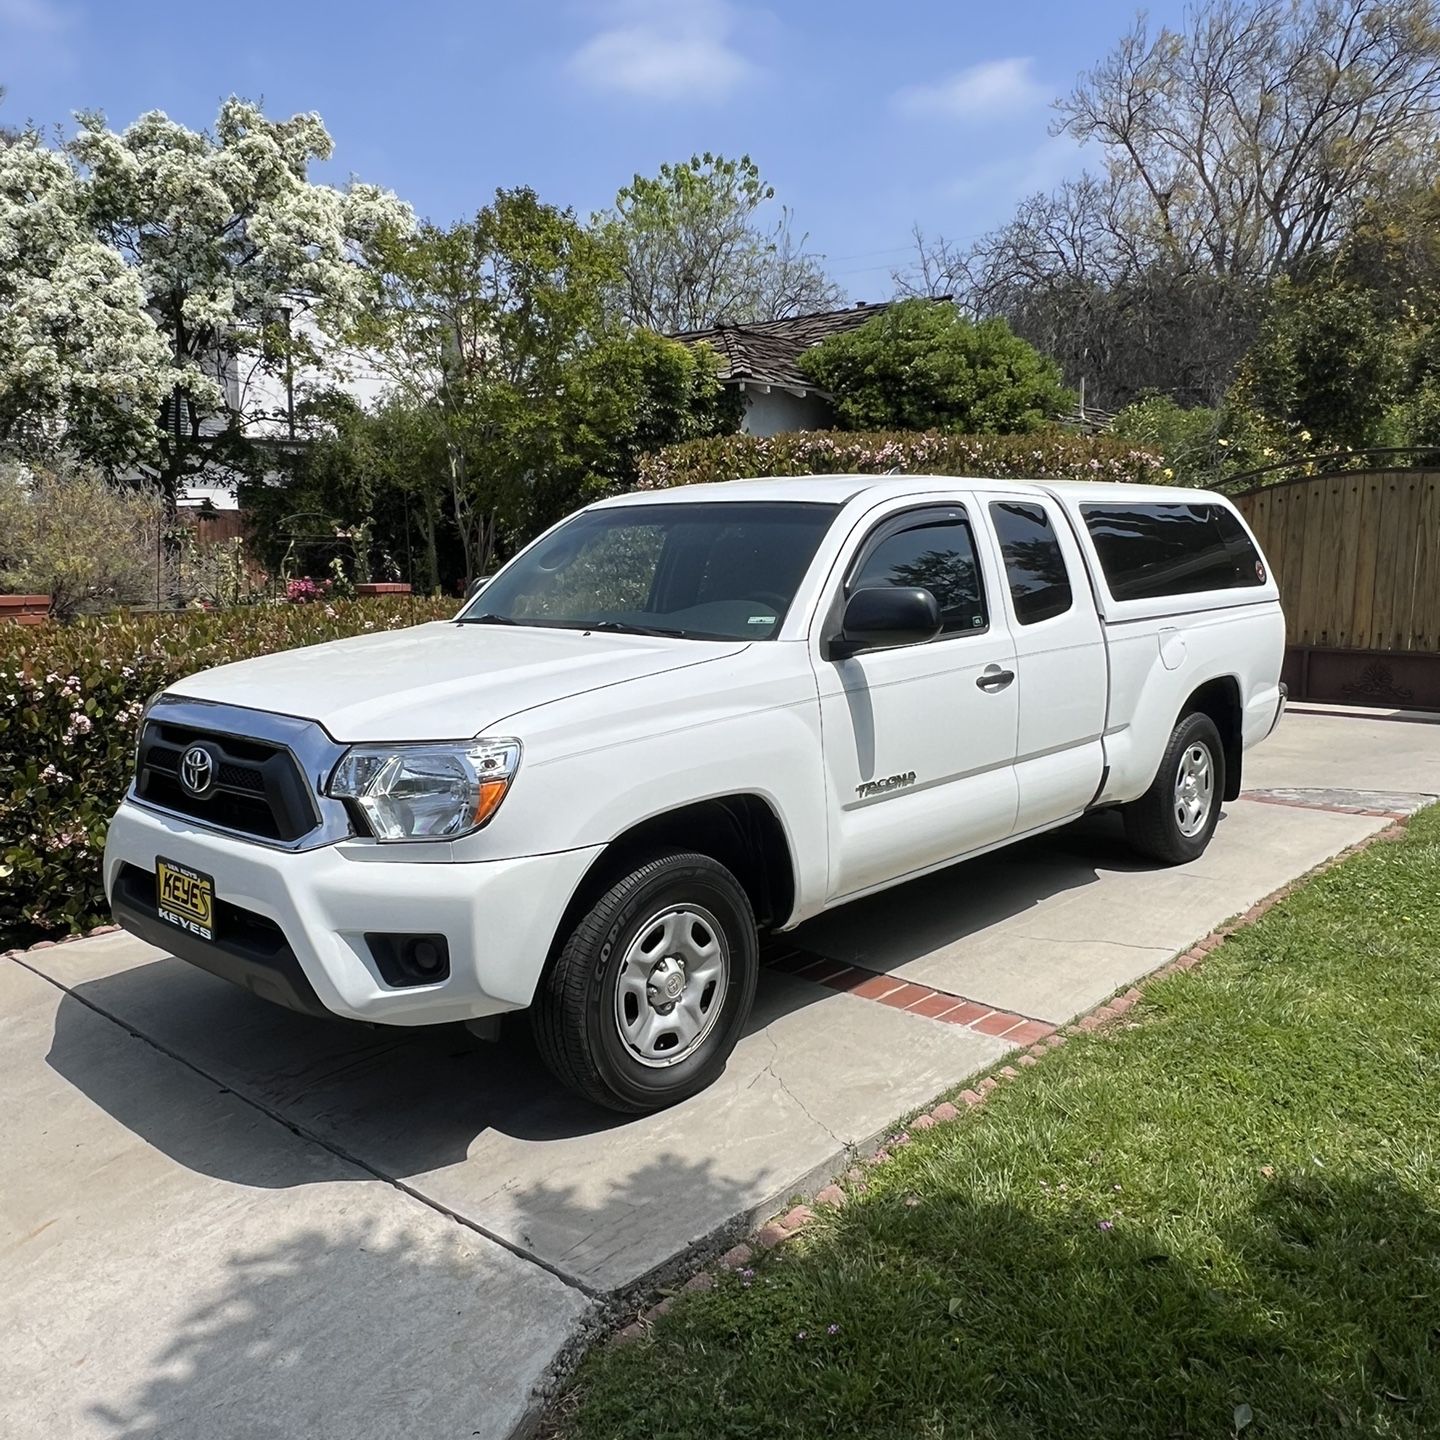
<point x="919" y="740"/>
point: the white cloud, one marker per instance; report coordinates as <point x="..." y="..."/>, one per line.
<point x="665" y="50"/>
<point x="992" y="87"/>
<point x="36" y="16"/>
<point x="41" y="36"/>
<point x="1012" y="177"/>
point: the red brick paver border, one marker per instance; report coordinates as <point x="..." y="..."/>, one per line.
<point x="1329" y="809"/>
<point x="910" y="996"/>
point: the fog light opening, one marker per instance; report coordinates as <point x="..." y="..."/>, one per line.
<point x="405" y="960"/>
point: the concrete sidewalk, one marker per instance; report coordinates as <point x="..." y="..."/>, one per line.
<point x="145" y="1295"/>
<point x="223" y="1220"/>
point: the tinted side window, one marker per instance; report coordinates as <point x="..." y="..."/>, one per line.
<point x="1034" y="563"/>
<point x="1155" y="550"/>
<point x="939" y="556"/>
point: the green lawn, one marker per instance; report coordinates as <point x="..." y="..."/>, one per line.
<point x="1223" y="1214"/>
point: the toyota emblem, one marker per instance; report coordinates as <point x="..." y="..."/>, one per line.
<point x="197" y="771"/>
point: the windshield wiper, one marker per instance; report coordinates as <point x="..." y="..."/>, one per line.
<point x="488" y="618"/>
<point x="622" y="627"/>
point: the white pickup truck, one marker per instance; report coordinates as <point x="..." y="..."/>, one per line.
<point x="682" y="717"/>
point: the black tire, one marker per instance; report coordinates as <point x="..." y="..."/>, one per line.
<point x="1152" y="823"/>
<point x="574" y="1015"/>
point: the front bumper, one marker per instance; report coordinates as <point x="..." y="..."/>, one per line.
<point x="499" y="916"/>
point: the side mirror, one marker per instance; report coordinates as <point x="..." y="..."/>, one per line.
<point x="884" y="616"/>
<point x="477" y="585"/>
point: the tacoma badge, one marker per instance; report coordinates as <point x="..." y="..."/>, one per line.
<point x="890" y="782"/>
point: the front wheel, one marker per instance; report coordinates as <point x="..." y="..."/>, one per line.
<point x="650" y="991"/>
<point x="1172" y="822"/>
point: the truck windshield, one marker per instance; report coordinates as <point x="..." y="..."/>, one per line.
<point x="713" y="570"/>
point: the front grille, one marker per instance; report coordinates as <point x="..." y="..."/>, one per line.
<point x="166" y="760"/>
<point x="259" y="788"/>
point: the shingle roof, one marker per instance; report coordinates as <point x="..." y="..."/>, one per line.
<point x="764" y="353"/>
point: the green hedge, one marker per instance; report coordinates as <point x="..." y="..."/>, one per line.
<point x="1053" y="454"/>
<point x="70" y="697"/>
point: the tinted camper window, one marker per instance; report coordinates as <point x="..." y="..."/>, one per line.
<point x="1168" y="549"/>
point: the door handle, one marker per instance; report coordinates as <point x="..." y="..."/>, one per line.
<point x="993" y="678"/>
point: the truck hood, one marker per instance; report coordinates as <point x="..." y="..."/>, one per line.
<point x="441" y="681"/>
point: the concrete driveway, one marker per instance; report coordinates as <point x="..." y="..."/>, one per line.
<point x="222" y="1220"/>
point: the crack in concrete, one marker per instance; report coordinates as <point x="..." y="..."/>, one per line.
<point x="1123" y="944"/>
<point x="784" y="1085"/>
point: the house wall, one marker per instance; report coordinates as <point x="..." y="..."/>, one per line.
<point x="263" y="395"/>
<point x="264" y="398"/>
<point x="771" y="412"/>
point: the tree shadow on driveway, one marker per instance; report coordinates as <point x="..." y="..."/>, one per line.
<point x="357" y="1327"/>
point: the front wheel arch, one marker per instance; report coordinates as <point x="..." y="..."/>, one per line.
<point x="742" y="832"/>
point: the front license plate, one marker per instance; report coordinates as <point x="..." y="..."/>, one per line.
<point x="186" y="898"/>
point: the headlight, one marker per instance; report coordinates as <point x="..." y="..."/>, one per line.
<point x="426" y="792"/>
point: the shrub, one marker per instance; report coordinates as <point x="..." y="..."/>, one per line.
<point x="70" y="698"/>
<point x="73" y="536"/>
<point x="921" y="364"/>
<point x="1208" y="447"/>
<point x="1051" y="454"/>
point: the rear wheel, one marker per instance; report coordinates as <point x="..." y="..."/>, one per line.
<point x="650" y="991"/>
<point x="1174" y="819"/>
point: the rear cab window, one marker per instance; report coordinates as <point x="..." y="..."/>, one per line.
<point x="1035" y="568"/>
<point x="1165" y="548"/>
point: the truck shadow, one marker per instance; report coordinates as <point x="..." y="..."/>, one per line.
<point x="410" y="1102"/>
<point x="926" y="915"/>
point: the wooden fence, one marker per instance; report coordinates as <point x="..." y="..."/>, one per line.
<point x="1357" y="556"/>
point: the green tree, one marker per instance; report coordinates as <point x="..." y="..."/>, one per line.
<point x="695" y="249"/>
<point x="475" y="326"/>
<point x="629" y="394"/>
<point x="921" y="365"/>
<point x="1327" y="361"/>
<point x="367" y="486"/>
<point x="497" y="334"/>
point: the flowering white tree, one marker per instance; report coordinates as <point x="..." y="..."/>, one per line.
<point x="212" y="267"/>
<point x="80" y="359"/>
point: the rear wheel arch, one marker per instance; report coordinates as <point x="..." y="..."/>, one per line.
<point x="1220" y="700"/>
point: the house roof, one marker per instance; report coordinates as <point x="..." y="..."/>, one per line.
<point x="765" y="352"/>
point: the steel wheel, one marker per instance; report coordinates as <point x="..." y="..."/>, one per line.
<point x="1194" y="789"/>
<point x="672" y="984"/>
<point x="649" y="994"/>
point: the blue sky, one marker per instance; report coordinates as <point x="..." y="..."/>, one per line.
<point x="867" y="116"/>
